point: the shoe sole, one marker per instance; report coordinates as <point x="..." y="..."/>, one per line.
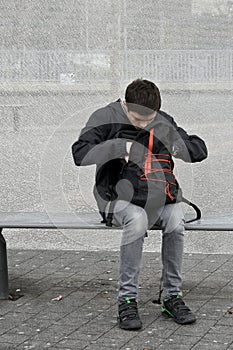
<point x="130" y="329"/>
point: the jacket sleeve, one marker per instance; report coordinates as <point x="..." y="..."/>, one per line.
<point x="94" y="145"/>
<point x="189" y="148"/>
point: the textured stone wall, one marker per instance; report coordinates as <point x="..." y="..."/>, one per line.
<point x="79" y="24"/>
<point x="41" y="116"/>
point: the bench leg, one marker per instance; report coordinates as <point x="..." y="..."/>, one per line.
<point x="4" y="292"/>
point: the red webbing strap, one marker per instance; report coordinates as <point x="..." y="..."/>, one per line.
<point x="149" y="154"/>
<point x="151" y="140"/>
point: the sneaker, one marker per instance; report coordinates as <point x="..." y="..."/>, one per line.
<point x="128" y="317"/>
<point x="176" y="308"/>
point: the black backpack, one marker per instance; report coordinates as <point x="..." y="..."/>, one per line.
<point x="148" y="181"/>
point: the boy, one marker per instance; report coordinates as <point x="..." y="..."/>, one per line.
<point x="132" y="143"/>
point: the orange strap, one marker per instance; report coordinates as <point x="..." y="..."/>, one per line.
<point x="151" y="140"/>
<point x="148" y="166"/>
<point x="148" y="159"/>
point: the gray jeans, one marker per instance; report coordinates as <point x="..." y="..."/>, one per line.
<point x="134" y="221"/>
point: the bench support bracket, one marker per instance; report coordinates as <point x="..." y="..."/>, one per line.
<point x="4" y="292"/>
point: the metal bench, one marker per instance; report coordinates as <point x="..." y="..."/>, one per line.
<point x="77" y="220"/>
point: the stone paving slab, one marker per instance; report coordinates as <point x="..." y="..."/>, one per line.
<point x="86" y="316"/>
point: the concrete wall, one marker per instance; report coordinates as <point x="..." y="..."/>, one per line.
<point x="40" y="119"/>
<point x="148" y="25"/>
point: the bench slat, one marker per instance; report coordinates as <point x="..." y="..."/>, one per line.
<point x="91" y="220"/>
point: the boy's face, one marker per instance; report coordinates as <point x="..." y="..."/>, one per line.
<point x="138" y="120"/>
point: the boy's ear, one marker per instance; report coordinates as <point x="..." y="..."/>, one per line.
<point x="125" y="105"/>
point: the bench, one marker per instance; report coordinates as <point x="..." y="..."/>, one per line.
<point x="78" y="220"/>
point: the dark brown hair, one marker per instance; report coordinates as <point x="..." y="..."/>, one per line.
<point x="143" y="96"/>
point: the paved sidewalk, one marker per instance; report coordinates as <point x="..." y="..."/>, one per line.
<point x="86" y="316"/>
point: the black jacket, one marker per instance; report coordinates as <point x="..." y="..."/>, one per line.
<point x="103" y="142"/>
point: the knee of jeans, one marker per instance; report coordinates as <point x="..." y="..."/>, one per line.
<point x="138" y="222"/>
<point x="173" y="219"/>
<point x="174" y="228"/>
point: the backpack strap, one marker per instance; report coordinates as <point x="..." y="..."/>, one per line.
<point x="195" y="207"/>
<point x="107" y="219"/>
